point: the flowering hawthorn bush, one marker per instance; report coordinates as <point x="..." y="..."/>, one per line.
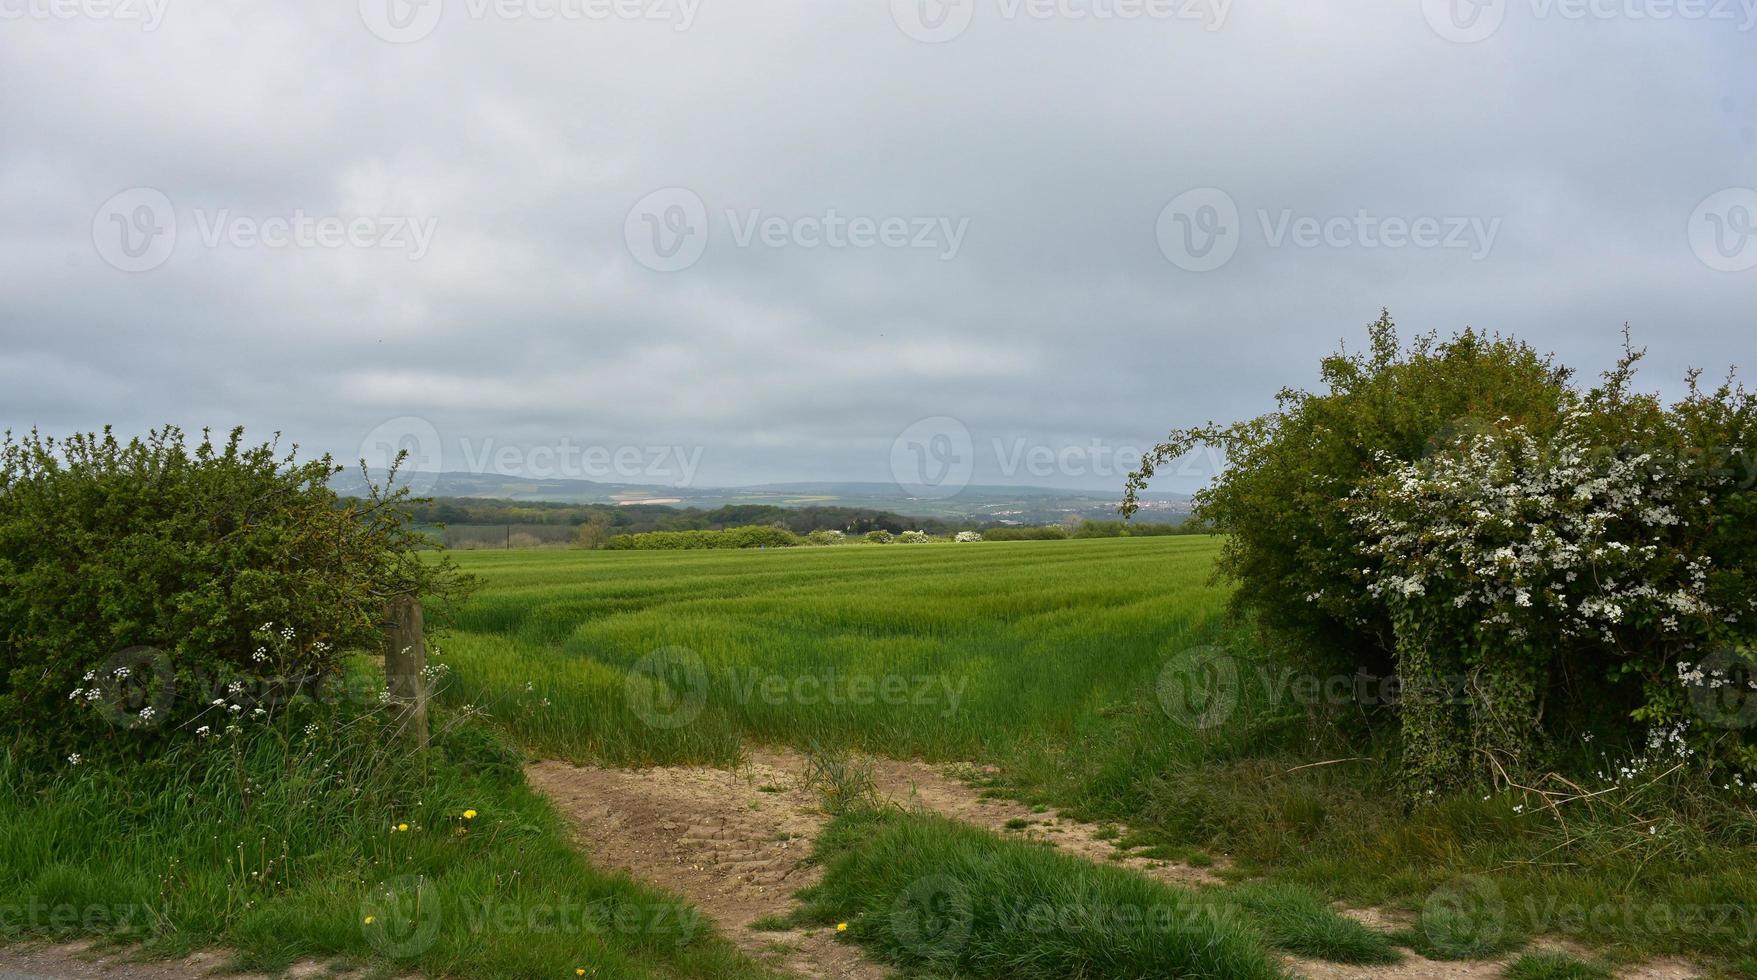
<point x="1509" y="561"/>
<point x="1278" y="500"/>
<point x="1527" y="557"/>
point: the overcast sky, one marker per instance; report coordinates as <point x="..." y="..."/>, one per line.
<point x="527" y="234"/>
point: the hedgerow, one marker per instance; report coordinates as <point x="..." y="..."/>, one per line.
<point x="752" y="536"/>
<point x="142" y="581"/>
<point x="1524" y="555"/>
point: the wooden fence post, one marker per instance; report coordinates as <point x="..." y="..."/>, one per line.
<point x="405" y="665"/>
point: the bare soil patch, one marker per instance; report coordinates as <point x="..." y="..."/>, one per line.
<point x="733" y="842"/>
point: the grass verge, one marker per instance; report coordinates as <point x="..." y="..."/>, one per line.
<point x="328" y="841"/>
<point x="933" y="895"/>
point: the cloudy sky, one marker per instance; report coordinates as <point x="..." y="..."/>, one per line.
<point x="830" y="239"/>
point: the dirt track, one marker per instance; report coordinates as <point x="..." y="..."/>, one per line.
<point x="734" y="842"/>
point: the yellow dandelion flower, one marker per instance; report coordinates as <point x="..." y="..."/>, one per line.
<point x="402" y="828"/>
<point x="469" y="814"/>
<point x="579" y="971"/>
<point x="841" y="927"/>
<point x="371" y="919"/>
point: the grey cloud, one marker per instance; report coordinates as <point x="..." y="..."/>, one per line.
<point x="1058" y="322"/>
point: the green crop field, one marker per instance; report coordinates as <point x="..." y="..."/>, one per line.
<point x="945" y="652"/>
<point x="1059" y="664"/>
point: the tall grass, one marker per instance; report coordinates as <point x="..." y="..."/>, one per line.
<point x="934" y="895"/>
<point x="282" y="843"/>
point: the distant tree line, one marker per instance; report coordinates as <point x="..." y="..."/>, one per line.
<point x="477" y="522"/>
<point x="619" y="519"/>
<point x="1091" y="529"/>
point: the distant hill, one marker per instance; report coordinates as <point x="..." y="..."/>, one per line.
<point x="1002" y="504"/>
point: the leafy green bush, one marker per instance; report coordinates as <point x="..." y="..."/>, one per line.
<point x="826" y="536"/>
<point x="879" y="537"/>
<point x="140" y="582"/>
<point x="1280" y="499"/>
<point x="1522" y="554"/>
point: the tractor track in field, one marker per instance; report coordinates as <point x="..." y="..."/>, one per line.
<point x="736" y="843"/>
